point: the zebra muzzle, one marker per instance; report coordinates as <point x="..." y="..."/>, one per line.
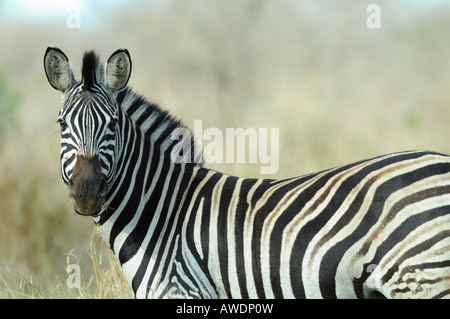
<point x="87" y="186"/>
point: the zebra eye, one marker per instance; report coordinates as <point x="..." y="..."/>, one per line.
<point x="62" y="123"/>
<point x="112" y="125"/>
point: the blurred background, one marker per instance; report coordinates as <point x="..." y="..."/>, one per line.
<point x="338" y="91"/>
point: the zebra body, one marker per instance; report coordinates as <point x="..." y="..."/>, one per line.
<point x="371" y="228"/>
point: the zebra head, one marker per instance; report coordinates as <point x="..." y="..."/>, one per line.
<point x="89" y="122"/>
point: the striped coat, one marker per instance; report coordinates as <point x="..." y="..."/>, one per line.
<point x="375" y="228"/>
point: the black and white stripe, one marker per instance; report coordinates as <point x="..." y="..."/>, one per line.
<point x="378" y="227"/>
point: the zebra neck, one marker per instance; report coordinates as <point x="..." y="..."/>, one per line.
<point x="157" y="125"/>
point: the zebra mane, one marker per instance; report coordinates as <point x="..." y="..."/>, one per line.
<point x="157" y="123"/>
<point x="92" y="71"/>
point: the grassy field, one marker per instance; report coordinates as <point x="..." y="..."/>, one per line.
<point x="337" y="90"/>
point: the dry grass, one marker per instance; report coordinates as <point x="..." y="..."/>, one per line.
<point x="100" y="278"/>
<point x="107" y="280"/>
<point x="14" y="285"/>
<point x="337" y="91"/>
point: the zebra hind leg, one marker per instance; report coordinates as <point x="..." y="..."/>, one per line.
<point x="421" y="281"/>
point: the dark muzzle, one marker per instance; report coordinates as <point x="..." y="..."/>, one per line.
<point x="87" y="186"/>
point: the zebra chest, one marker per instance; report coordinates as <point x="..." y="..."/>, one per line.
<point x="171" y="273"/>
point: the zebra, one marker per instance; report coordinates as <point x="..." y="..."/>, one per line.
<point x="376" y="228"/>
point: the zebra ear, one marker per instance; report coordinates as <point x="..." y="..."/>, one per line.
<point x="118" y="70"/>
<point x="58" y="70"/>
